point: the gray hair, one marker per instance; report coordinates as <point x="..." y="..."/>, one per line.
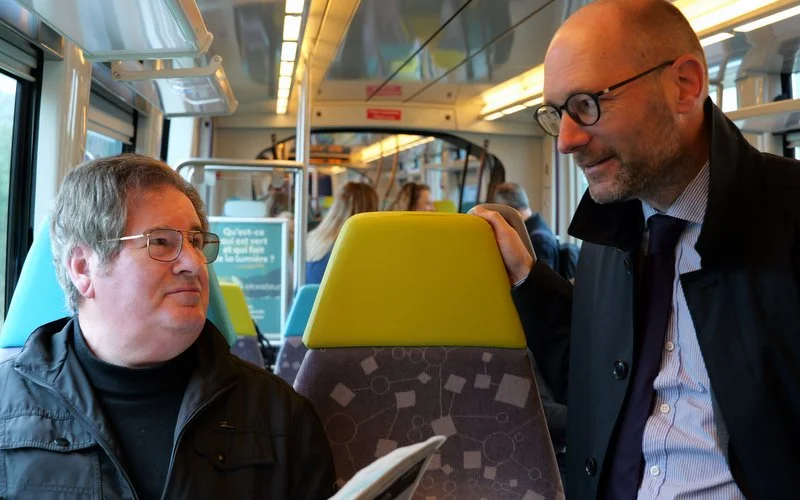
<point x="92" y="206"/>
<point x="512" y="195"/>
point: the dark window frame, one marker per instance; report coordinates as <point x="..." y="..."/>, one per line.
<point x="22" y="177"/>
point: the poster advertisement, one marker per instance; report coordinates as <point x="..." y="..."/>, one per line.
<point x="252" y="253"/>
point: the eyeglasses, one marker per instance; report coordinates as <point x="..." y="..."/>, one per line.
<point x="165" y="245"/>
<point x="582" y="107"/>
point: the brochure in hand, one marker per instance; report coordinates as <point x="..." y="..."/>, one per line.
<point x="393" y="476"/>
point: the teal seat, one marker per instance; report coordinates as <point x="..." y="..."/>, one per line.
<point x="292" y="351"/>
<point x="301" y="311"/>
<point x="38" y="298"/>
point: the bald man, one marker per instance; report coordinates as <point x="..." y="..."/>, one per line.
<point x="679" y="347"/>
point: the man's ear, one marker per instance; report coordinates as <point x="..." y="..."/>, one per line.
<point x="82" y="269"/>
<point x="690" y="79"/>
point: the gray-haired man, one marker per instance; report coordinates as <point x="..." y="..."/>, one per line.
<point x="137" y="395"/>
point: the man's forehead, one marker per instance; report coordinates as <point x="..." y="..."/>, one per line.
<point x="173" y="205"/>
<point x="579" y="63"/>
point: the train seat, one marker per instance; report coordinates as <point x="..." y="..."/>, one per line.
<point x="38" y="298"/>
<point x="448" y="206"/>
<point x="292" y="350"/>
<point x="414" y="334"/>
<point x="246" y="345"/>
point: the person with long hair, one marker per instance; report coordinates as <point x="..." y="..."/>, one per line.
<point x="353" y="198"/>
<point x="413" y="197"/>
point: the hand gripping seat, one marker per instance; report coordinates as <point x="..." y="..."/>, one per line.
<point x="38" y="298"/>
<point x="414" y="334"/>
<point x="292" y="350"/>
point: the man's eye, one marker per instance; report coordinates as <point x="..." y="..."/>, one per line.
<point x="163" y="242"/>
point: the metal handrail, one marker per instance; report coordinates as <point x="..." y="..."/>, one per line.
<point x="300" y="208"/>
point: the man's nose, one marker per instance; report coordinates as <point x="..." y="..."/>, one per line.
<point x="571" y="136"/>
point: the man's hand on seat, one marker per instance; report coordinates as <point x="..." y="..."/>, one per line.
<point x="516" y="258"/>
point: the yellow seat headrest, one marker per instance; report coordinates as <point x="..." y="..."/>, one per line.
<point x="235" y="301"/>
<point x="414" y="279"/>
<point x="445" y="206"/>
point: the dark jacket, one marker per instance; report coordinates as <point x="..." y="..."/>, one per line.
<point x="241" y="431"/>
<point x="744" y="302"/>
<point x="543" y="240"/>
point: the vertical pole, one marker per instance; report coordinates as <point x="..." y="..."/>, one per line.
<point x="302" y="155"/>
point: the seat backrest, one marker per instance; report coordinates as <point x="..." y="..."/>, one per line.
<point x="38" y="298"/>
<point x="448" y="206"/>
<point x="301" y="310"/>
<point x="292" y="350"/>
<point x="414" y="334"/>
<point x="236" y="303"/>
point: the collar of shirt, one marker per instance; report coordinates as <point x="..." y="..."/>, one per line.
<point x="691" y="204"/>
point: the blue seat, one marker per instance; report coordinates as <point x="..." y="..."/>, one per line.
<point x="292" y="351"/>
<point x="38" y="298"/>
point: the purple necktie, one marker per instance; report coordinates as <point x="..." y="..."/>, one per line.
<point x="654" y="304"/>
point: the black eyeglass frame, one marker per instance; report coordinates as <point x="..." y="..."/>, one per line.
<point x="595" y="96"/>
<point x="183" y="234"/>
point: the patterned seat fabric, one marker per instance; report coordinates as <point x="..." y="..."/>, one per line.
<point x="247" y="348"/>
<point x="374" y="399"/>
<point x="292" y="351"/>
<point x="290" y="357"/>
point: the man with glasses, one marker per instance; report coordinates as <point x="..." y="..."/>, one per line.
<point x="679" y="347"/>
<point x="137" y="395"/>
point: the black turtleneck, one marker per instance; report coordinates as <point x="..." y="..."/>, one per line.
<point x="142" y="406"/>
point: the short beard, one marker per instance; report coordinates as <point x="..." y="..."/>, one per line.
<point x="655" y="166"/>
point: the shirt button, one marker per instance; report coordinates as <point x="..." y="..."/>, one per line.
<point x="654" y="470"/>
<point x="664" y="408"/>
<point x="670" y="347"/>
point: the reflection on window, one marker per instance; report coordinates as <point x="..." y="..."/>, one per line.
<point x="8" y="98"/>
<point x="796" y="85"/>
<point x="100" y="146"/>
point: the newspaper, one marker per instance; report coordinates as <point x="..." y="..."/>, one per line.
<point x="393" y="476"/>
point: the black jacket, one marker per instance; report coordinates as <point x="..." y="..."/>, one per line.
<point x="744" y="302"/>
<point x="241" y="431"/>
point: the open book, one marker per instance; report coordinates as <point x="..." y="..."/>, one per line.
<point x="393" y="476"/>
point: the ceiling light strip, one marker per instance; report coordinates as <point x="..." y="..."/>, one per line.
<point x="765" y="21"/>
<point x="292" y="24"/>
<point x="704" y="16"/>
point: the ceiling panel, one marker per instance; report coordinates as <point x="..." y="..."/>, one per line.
<point x="386" y="33"/>
<point x="248" y="37"/>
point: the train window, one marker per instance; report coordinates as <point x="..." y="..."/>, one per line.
<point x="730" y="99"/>
<point x="8" y="99"/>
<point x="99" y="145"/>
<point x="110" y="128"/>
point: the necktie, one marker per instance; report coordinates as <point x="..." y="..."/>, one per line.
<point x="654" y="305"/>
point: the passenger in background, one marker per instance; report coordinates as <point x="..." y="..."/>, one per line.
<point x="413" y="197"/>
<point x="277" y="203"/>
<point x="679" y="350"/>
<point x="137" y="394"/>
<point x="544" y="241"/>
<point x="353" y="198"/>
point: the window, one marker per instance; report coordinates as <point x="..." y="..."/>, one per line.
<point x="730" y="99"/>
<point x="111" y="127"/>
<point x="8" y="100"/>
<point x="99" y="146"/>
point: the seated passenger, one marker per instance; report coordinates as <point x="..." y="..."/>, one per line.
<point x="137" y="394"/>
<point x="413" y="197"/>
<point x="353" y="198"/>
<point x="543" y="240"/>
